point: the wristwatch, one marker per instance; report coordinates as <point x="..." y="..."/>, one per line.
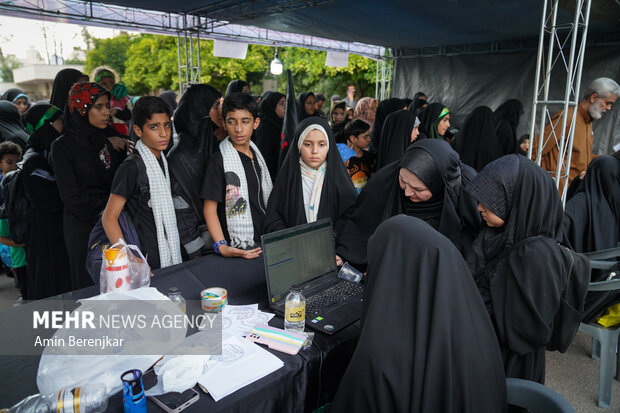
<point x="217" y="245"/>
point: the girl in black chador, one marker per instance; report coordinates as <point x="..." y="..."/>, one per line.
<point x="312" y="183"/>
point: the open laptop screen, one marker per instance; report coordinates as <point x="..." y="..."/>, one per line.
<point x="297" y="255"/>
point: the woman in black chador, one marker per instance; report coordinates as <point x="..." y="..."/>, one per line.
<point x="11" y="128"/>
<point x="426" y="183"/>
<point x="84" y="162"/>
<point x="506" y="119"/>
<point x="48" y="263"/>
<point x="305" y="192"/>
<point x="399" y="131"/>
<point x="426" y="341"/>
<point x="592" y="215"/>
<point x="517" y="263"/>
<point x="477" y="143"/>
<point x="188" y="160"/>
<point x="268" y="135"/>
<point x="384" y="108"/>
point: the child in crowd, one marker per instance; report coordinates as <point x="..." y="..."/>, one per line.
<point x="10" y="155"/>
<point x="363" y="164"/>
<point x="120" y="105"/>
<point x="312" y="183"/>
<point x="237" y="183"/>
<point x="151" y="210"/>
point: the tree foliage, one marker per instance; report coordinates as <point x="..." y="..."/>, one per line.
<point x="147" y="63"/>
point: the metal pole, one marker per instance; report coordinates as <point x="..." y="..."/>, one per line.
<point x="377" y="81"/>
<point x="541" y="41"/>
<point x="577" y="81"/>
<point x="180" y="63"/>
<point x="547" y="82"/>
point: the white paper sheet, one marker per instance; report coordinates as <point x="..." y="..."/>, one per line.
<point x="239" y="320"/>
<point x="241" y="363"/>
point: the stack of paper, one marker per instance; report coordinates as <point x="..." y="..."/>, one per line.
<point x="239" y="320"/>
<point x="241" y="363"/>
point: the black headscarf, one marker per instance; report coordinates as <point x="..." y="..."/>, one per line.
<point x="38" y="122"/>
<point x="62" y="83"/>
<point x="268" y="135"/>
<point x="520" y="269"/>
<point x="426" y="344"/>
<point x="592" y="216"/>
<point x="235" y="86"/>
<point x="10" y="125"/>
<point x="188" y="158"/>
<point x="450" y="209"/>
<point x="477" y="143"/>
<point x="170" y="97"/>
<point x="395" y="136"/>
<point x="12" y="94"/>
<point x="301" y="102"/>
<point x="429" y="118"/>
<point x="286" y="203"/>
<point x="520" y="151"/>
<point x="338" y="128"/>
<point x="506" y="119"/>
<point x="384" y="108"/>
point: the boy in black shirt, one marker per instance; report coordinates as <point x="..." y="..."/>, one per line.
<point x="141" y="186"/>
<point x="237" y="183"/>
<point x="363" y="164"/>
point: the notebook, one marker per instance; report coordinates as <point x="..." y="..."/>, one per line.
<point x="305" y="255"/>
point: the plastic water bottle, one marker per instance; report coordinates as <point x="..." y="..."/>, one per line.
<point x="91" y="398"/>
<point x="295" y="310"/>
<point x="175" y="296"/>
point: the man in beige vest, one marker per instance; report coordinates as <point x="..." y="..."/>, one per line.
<point x="601" y="94"/>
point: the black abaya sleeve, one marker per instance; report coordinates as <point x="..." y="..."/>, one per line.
<point x="79" y="204"/>
<point x="525" y="294"/>
<point x="41" y="188"/>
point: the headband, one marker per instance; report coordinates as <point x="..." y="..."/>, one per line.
<point x="104" y="73"/>
<point x="49" y="114"/>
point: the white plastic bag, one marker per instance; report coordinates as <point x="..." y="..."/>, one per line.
<point x="122" y="270"/>
<point x="64" y="367"/>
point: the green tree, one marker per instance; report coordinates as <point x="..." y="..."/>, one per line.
<point x="109" y="52"/>
<point x="7" y="64"/>
<point x="147" y="63"/>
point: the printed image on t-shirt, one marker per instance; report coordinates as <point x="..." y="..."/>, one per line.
<point x="235" y="203"/>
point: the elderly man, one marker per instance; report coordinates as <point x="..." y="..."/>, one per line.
<point x="598" y="99"/>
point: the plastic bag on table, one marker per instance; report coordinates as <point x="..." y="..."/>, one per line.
<point x="123" y="268"/>
<point x="67" y="367"/>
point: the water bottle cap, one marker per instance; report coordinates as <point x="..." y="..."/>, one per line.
<point x="174" y="290"/>
<point x="296" y="288"/>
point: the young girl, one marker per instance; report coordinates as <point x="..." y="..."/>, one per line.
<point x="18" y="98"/>
<point x="338" y="121"/>
<point x="312" y="183"/>
<point x="435" y="121"/>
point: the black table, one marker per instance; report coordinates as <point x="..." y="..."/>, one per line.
<point x="305" y="382"/>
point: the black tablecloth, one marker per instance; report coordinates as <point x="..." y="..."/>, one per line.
<point x="307" y="380"/>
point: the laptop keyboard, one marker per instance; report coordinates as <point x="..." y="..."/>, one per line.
<point x="316" y="304"/>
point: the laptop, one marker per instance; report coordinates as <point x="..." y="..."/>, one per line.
<point x="305" y="255"/>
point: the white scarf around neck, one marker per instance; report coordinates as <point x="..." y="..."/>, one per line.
<point x="239" y="216"/>
<point x="163" y="208"/>
<point x="316" y="175"/>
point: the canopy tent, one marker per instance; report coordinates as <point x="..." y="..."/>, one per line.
<point x="408" y="30"/>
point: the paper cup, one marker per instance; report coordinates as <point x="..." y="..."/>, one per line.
<point x="213" y="299"/>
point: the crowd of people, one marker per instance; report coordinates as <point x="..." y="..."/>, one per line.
<point x="466" y="234"/>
